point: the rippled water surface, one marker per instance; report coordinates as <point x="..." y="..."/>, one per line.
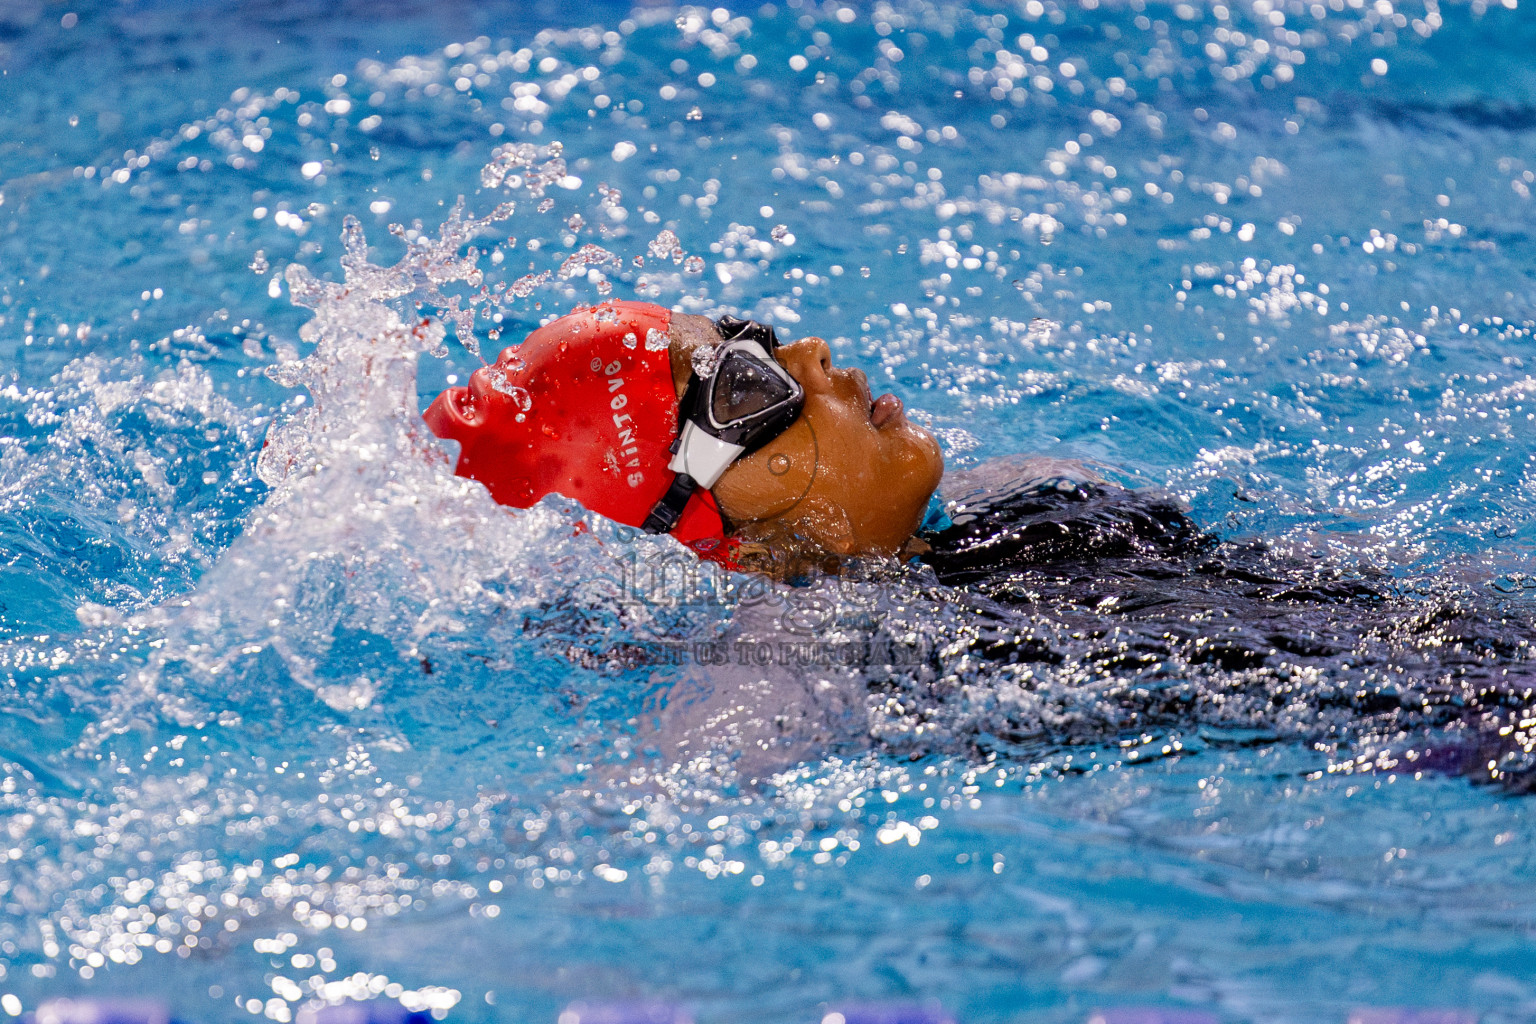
<point x="289" y="714"/>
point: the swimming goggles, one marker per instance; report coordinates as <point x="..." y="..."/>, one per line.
<point x="740" y="401"/>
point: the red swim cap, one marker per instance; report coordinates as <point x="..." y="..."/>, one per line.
<point x="584" y="407"/>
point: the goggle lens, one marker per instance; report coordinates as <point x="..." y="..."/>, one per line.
<point x="744" y="388"/>
<point x="743" y="402"/>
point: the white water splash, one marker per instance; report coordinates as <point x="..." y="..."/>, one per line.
<point x="366" y="527"/>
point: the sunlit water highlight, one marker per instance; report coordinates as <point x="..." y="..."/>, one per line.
<point x="290" y="713"/>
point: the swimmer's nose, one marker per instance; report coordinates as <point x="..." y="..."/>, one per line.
<point x="809" y="361"/>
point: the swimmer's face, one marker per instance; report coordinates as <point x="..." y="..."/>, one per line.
<point x="852" y="475"/>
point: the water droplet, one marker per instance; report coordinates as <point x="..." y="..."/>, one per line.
<point x="695" y="114"/>
<point x="587" y="256"/>
<point x="694" y="265"/>
<point x="656" y="341"/>
<point x="704" y="359"/>
<point x="519" y="396"/>
<point x="525" y="157"/>
<point x="661" y="247"/>
<point x="630" y="341"/>
<point x="259" y="263"/>
<point x="525" y="285"/>
<point x="779" y="232"/>
<point x="1040" y="330"/>
<point x="546" y="206"/>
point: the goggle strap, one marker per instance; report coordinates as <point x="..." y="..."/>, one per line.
<point x="699" y="457"/>
<point x="666" y="512"/>
<point x="686" y="405"/>
<point x="731" y="328"/>
<point x="703" y="456"/>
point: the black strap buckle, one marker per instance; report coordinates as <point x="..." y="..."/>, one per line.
<point x="669" y="509"/>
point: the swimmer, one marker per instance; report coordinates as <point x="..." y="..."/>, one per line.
<point x="1065" y="609"/>
<point x="754" y="453"/>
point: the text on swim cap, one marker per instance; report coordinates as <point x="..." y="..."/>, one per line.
<point x="627" y="448"/>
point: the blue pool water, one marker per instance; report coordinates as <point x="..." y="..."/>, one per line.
<point x="324" y="723"/>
